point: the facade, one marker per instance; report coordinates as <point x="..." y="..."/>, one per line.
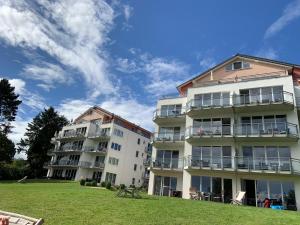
<point x="100" y="146"/>
<point x="233" y="128"/>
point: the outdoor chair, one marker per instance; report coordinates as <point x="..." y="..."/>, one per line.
<point x="194" y="194"/>
<point x="239" y="198"/>
<point x="22" y="180"/>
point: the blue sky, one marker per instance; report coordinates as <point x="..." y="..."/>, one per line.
<point x="123" y="55"/>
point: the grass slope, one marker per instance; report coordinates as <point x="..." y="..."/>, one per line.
<point x="68" y="203"/>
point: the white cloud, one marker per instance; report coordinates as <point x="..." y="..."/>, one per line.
<point x="72" y="32"/>
<point x="162" y="75"/>
<point x="290" y="13"/>
<point x="29" y="98"/>
<point x="47" y="73"/>
<point x="268" y="53"/>
<point x="207" y="62"/>
<point x="127" y="12"/>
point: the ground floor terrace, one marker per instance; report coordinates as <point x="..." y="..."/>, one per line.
<point x="281" y="190"/>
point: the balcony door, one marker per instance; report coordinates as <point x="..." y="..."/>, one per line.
<point x="167" y="159"/>
<point x="164" y="186"/>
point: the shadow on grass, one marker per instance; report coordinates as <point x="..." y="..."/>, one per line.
<point x="31" y="181"/>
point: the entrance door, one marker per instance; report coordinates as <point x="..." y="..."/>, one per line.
<point x="249" y="187"/>
<point x="227" y="190"/>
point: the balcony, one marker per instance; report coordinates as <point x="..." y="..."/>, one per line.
<point x="280" y="101"/>
<point x="279" y="131"/>
<point x="208" y="133"/>
<point x="163" y="117"/>
<point x="166" y="164"/>
<point x="168" y="140"/>
<point x="95" y="150"/>
<point x="90" y="165"/>
<point x="67" y="149"/>
<point x="209" y="107"/>
<point x="62" y="163"/>
<point x="99" y="135"/>
<point x="72" y="134"/>
<point x="243" y="164"/>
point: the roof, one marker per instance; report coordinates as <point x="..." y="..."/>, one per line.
<point x="113" y="116"/>
<point x="242" y="56"/>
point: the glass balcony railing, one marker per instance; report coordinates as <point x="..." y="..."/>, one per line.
<point x="212" y="130"/>
<point x="268" y="164"/>
<point x="63" y="163"/>
<point x="102" y="133"/>
<point x="167" y="163"/>
<point x="70" y="134"/>
<point x="172" y="137"/>
<point x="168" y="113"/>
<point x="94" y="149"/>
<point x="260" y="129"/>
<point x="257" y="99"/>
<point x="209" y="103"/>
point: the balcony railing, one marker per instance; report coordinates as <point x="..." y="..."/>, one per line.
<point x="208" y="131"/>
<point x="209" y="103"/>
<point x="258" y="99"/>
<point x="170" y="137"/>
<point x="104" y="134"/>
<point x="241" y="100"/>
<point x="169" y="164"/>
<point x="70" y="134"/>
<point x="86" y="164"/>
<point x="63" y="163"/>
<point x="240" y="163"/>
<point x="169" y="113"/>
<point x="94" y="149"/>
<point x="261" y="129"/>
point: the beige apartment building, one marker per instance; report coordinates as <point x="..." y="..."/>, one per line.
<point x="235" y="127"/>
<point x="102" y="146"/>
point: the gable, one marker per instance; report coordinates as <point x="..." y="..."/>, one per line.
<point x="93" y="114"/>
<point x="254" y="67"/>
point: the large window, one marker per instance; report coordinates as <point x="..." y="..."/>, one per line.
<point x="213" y="187"/>
<point x="170" y="134"/>
<point x="212" y="99"/>
<point x="276" y="158"/>
<point x="165" y="186"/>
<point x="167" y="159"/>
<point x="212" y="126"/>
<point x="260" y="95"/>
<point x="110" y="178"/>
<point x="279" y="193"/>
<point x="212" y="156"/>
<point x="171" y="110"/>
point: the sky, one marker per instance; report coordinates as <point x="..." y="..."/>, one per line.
<point x="124" y="55"/>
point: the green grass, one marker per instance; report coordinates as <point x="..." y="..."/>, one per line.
<point x="69" y="203"/>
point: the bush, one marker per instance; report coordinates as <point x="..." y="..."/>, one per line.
<point x="132" y="186"/>
<point x="114" y="188"/>
<point x="103" y="184"/>
<point x="82" y="182"/>
<point x="94" y="183"/>
<point x="14" y="171"/>
<point x="108" y="185"/>
<point x="122" y="186"/>
<point x="88" y="183"/>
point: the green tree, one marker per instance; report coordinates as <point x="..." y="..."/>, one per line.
<point x="37" y="140"/>
<point x="7" y="149"/>
<point x="9" y="103"/>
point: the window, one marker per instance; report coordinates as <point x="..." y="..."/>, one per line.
<point x="212" y="99"/>
<point x="118" y="132"/>
<point x="137" y="154"/>
<point x="110" y="178"/>
<point x="133" y="181"/>
<point x="237" y="66"/>
<point x="113" y="161"/>
<point x="135" y="166"/>
<point x="116" y="146"/>
<point x="167" y="159"/>
<point x="139" y="141"/>
<point x="171" y="110"/>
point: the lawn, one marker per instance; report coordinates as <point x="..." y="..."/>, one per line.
<point x="68" y="203"/>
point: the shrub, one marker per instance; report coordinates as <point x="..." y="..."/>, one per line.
<point x="94" y="183"/>
<point x="88" y="183"/>
<point x="132" y="186"/>
<point x="122" y="186"/>
<point x="108" y="185"/>
<point x="114" y="188"/>
<point x="82" y="182"/>
<point x="103" y="184"/>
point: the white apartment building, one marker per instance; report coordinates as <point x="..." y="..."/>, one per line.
<point x="234" y="128"/>
<point x="100" y="146"/>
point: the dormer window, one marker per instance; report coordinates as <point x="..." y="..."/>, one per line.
<point x="238" y="65"/>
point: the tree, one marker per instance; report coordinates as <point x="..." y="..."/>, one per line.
<point x="9" y="103"/>
<point x="7" y="149"/>
<point x="38" y="136"/>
